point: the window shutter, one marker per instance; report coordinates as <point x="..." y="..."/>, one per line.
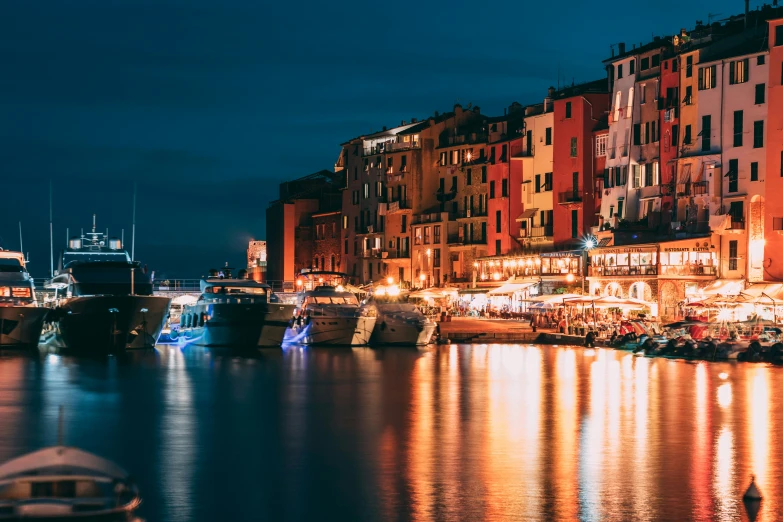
<point x="732" y="73"/>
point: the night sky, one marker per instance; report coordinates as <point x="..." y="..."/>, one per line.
<point x="207" y="106"/>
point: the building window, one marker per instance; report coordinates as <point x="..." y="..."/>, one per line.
<point x="404" y="224"/>
<point x="674" y="65"/>
<point x="760" y="59"/>
<point x="636" y="177"/>
<point x="497" y="221"/>
<point x="504" y="188"/>
<point x="754" y="171"/>
<point x="649" y="172"/>
<point x="600" y="145"/>
<point x="417" y="236"/>
<point x="436" y="234"/>
<point x="738" y="128"/>
<point x="568" y="110"/>
<point x="469" y="177"/>
<point x="707" y="78"/>
<point x="617" y="100"/>
<point x="491" y="190"/>
<point x="686" y="139"/>
<point x="574" y="224"/>
<point x="645" y="64"/>
<point x="538" y="183"/>
<point x="689" y="66"/>
<point x="656" y="60"/>
<point x="346" y="247"/>
<point x="366" y="190"/>
<point x="497" y="247"/>
<point x="733" y="254"/>
<point x="573" y="147"/>
<point x="632" y="67"/>
<point x="688" y="95"/>
<point x="547" y="181"/>
<point x="427" y="235"/>
<point x="637" y="133"/>
<point x="548" y="136"/>
<point x="484" y="174"/>
<point x="675" y="135"/>
<point x="642" y="94"/>
<point x="738" y="72"/>
<point x="619" y="71"/>
<point x="758" y="134"/>
<point x="733" y="175"/>
<point x="345" y="222"/>
<point x="779" y="35"/>
<point x="706" y="133"/>
<point x="760" y="93"/>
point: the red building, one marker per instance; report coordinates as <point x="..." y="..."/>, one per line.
<point x="600" y="140"/>
<point x="505" y="179"/>
<point x="773" y="220"/>
<point x="670" y="129"/>
<point x="578" y="111"/>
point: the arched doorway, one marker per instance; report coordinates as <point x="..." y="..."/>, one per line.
<point x="756" y="239"/>
<point x="669" y="300"/>
<point x="613" y="289"/>
<point x="641" y="290"/>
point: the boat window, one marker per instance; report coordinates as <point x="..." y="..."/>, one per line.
<point x="238" y="290"/>
<point x="42" y="489"/>
<point x="351" y="300"/>
<point x="66" y="489"/>
<point x="10" y="265"/>
<point x="91" y="257"/>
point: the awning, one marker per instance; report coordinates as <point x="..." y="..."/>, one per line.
<point x="527" y="214"/>
<point x="723" y="287"/>
<point x="604" y="241"/>
<point x="510" y="288"/>
<point x="467" y="291"/>
<point x="769" y="291"/>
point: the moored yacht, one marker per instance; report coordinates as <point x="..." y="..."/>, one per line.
<point x="235" y="313"/>
<point x="21" y="319"/>
<point x="330" y="315"/>
<point x="104" y="299"/>
<point x="400" y="324"/>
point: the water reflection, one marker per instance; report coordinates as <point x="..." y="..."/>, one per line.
<point x="460" y="432"/>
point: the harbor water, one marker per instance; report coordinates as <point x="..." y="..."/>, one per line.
<point x="460" y="432"/>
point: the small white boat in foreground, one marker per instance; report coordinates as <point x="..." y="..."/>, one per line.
<point x="64" y="483"/>
<point x="402" y="324"/>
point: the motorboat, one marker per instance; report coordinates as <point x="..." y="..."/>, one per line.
<point x="400" y="323"/>
<point x="21" y="319"/>
<point x="330" y="315"/>
<point x="104" y="301"/>
<point x="235" y="313"/>
<point x="170" y="332"/>
<point x="64" y="483"/>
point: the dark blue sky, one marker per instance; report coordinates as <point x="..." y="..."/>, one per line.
<point x="208" y="105"/>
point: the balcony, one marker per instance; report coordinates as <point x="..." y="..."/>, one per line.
<point x="397" y="205"/>
<point x="435" y="217"/>
<point x="653" y="191"/>
<point x="396" y="254"/>
<point x="699" y="188"/>
<point x="622" y="271"/>
<point x="543" y="231"/>
<point x="736" y="224"/>
<point x="374" y="253"/>
<point x="457" y="239"/>
<point x="569" y="197"/>
<point x="471" y="213"/>
<point x="688" y="270"/>
<point x="390" y="146"/>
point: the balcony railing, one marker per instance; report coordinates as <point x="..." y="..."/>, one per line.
<point x="389" y="146"/>
<point x="397" y="205"/>
<point x="736" y="224"/>
<point x="569" y="196"/>
<point x="472" y="213"/>
<point x="612" y="271"/>
<point x="688" y="270"/>
<point x="699" y="188"/>
<point x="396" y="254"/>
<point x="543" y="231"/>
<point x="434" y="217"/>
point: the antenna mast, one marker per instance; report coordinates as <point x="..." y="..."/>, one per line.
<point x="133" y="231"/>
<point x="21" y="245"/>
<point x="51" y="234"/>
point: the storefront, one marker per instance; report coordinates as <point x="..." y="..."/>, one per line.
<point x="549" y="270"/>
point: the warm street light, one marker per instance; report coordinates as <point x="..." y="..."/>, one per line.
<point x="570" y="277"/>
<point x="390" y="280"/>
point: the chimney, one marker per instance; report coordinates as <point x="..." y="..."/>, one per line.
<point x="457" y="106"/>
<point x="747" y="9"/>
<point x="384" y="127"/>
<point x="476" y="110"/>
<point x="413" y="120"/>
<point x="550" y="93"/>
<point x="621" y="47"/>
<point x="403" y="122"/>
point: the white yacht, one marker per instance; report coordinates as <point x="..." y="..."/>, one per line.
<point x="329" y="315"/>
<point x="401" y="323"/>
<point x="61" y="482"/>
<point x="21" y="318"/>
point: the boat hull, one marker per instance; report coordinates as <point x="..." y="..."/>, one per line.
<point x="21" y="326"/>
<point x="107" y="324"/>
<point x="393" y="332"/>
<point x="332" y="331"/>
<point x="236" y="325"/>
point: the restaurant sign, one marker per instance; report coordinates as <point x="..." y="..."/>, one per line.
<point x="626" y="250"/>
<point x="698" y="246"/>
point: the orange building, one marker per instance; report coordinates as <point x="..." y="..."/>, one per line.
<point x="773" y="222"/>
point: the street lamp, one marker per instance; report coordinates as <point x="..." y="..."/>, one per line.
<point x="390" y="280"/>
<point x="588" y="243"/>
<point x="422" y="278"/>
